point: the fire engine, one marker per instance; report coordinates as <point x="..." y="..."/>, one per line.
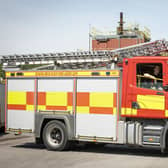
<point x="121" y="102"/>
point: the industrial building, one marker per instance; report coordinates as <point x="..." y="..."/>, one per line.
<point x="122" y="37"/>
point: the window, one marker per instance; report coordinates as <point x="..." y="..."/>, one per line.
<point x="149" y="75"/>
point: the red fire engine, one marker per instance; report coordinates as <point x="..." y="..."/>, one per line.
<point x="127" y="103"/>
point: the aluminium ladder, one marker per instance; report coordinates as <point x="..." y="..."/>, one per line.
<point x="84" y="59"/>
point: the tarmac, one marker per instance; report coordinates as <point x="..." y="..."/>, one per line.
<point x="21" y="152"/>
<point x="7" y="136"/>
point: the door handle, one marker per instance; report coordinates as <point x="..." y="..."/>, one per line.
<point x="135" y="105"/>
<point x="159" y="93"/>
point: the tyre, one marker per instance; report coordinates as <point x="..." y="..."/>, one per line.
<point x="55" y="136"/>
<point x="38" y="141"/>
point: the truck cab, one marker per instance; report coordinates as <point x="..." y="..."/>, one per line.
<point x="146" y="95"/>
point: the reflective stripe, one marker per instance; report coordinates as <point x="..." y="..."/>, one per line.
<point x="16" y="107"/>
<point x="144" y="113"/>
<point x="28" y="74"/>
<point x="29" y="107"/>
<point x="69" y="108"/>
<point x="101" y="110"/>
<point x="129" y="111"/>
<point x="154" y="102"/>
<point x="29" y="98"/>
<point x="21" y="100"/>
<point x="82" y="99"/>
<point x="114" y="110"/>
<point x="56" y="99"/>
<point x="96" y="103"/>
<point x="123" y="111"/>
<point x="93" y="103"/>
<point x="56" y="107"/>
<point x="82" y="109"/>
<point x="41" y="98"/>
<point x="166" y="113"/>
<point x="41" y="107"/>
<point x="101" y="99"/>
<point x="134" y="112"/>
<point x="107" y="73"/>
<point x="84" y="73"/>
<point x="16" y="97"/>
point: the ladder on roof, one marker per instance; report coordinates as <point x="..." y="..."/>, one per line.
<point x="85" y="59"/>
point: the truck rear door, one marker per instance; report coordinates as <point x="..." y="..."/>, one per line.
<point x="96" y="108"/>
<point x="20" y="105"/>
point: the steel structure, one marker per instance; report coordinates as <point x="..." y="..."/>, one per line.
<point x="85" y="59"/>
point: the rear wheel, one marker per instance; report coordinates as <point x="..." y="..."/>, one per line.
<point x="55" y="136"/>
<point x="38" y="141"/>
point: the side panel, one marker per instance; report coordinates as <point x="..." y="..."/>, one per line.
<point x="20" y="104"/>
<point x="96" y="107"/>
<point x="55" y="94"/>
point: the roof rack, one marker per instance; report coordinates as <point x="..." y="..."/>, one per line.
<point x="84" y="59"/>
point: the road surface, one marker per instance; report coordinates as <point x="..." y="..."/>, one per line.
<point x="22" y="152"/>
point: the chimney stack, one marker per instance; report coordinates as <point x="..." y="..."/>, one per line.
<point x="121" y="23"/>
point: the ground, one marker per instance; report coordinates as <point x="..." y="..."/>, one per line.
<point x="22" y="152"/>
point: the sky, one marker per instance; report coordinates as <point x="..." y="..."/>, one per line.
<point x="44" y="26"/>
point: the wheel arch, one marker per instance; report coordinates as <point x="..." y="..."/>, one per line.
<point x="42" y="120"/>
